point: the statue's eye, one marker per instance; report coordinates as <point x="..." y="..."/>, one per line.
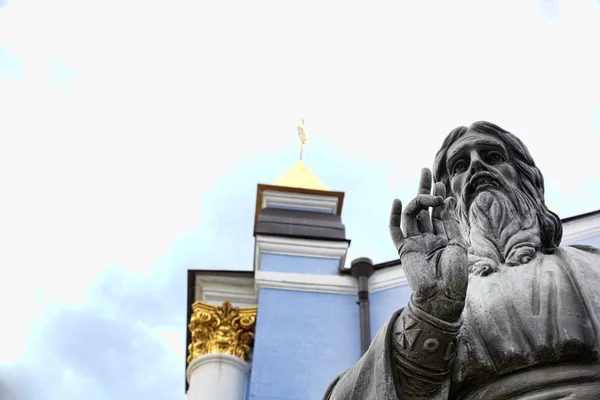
<point x="459" y="166"/>
<point x="495" y="157"/>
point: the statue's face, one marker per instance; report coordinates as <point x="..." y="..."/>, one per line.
<point x="475" y="162"/>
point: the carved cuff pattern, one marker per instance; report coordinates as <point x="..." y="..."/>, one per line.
<point x="424" y="349"/>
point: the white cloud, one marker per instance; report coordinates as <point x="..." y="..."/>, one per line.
<point x="164" y="99"/>
<point x="173" y="340"/>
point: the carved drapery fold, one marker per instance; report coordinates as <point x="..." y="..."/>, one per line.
<point x="221" y="329"/>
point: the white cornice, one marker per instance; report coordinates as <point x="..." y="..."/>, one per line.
<point x="328" y="204"/>
<point x="299" y="247"/>
<point x="578" y="229"/>
<point x="340" y="284"/>
<point x="387" y="278"/>
<point x="242" y="291"/>
<point x="306" y="282"/>
<point x="215" y="289"/>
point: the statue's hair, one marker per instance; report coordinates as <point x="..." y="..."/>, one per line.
<point x="530" y="179"/>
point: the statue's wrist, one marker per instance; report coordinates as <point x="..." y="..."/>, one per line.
<point x="424" y="345"/>
<point x="444" y="324"/>
<point x="441" y="308"/>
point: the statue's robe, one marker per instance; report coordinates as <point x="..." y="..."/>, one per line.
<point x="529" y="332"/>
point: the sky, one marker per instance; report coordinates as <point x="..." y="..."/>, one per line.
<point x="133" y="135"/>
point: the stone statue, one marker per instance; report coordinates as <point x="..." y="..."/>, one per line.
<point x="498" y="309"/>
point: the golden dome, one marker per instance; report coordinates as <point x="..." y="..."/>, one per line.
<point x="300" y="176"/>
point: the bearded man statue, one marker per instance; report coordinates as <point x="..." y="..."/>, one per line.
<point x="498" y="310"/>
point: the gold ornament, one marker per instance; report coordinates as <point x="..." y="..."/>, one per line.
<point x="221" y="329"/>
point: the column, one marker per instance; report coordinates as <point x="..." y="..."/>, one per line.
<point x="222" y="337"/>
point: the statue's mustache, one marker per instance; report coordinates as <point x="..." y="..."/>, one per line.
<point x="480" y="179"/>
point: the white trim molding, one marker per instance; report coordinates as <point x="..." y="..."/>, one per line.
<point x="215" y="289"/>
<point x="387" y="278"/>
<point x="299" y="247"/>
<point x="339" y="284"/>
<point x="306" y="282"/>
<point x="243" y="291"/>
<point x="581" y="228"/>
<point x="328" y="204"/>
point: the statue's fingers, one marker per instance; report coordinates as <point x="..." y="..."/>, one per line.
<point x="422" y="201"/>
<point x="455" y="272"/>
<point x="395" y="218"/>
<point x="453" y="232"/>
<point x="439" y="189"/>
<point x="455" y="268"/>
<point x="412" y="210"/>
<point x="423" y="218"/>
<point x="425" y="182"/>
<point x="424" y="222"/>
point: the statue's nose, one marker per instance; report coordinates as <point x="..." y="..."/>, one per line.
<point x="477" y="164"/>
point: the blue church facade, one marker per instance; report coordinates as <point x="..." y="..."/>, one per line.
<point x="301" y="300"/>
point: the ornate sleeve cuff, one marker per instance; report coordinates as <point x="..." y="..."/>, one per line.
<point x="424" y="349"/>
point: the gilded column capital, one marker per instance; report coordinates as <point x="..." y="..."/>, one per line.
<point x="221" y="329"/>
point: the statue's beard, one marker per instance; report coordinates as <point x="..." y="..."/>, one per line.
<point x="500" y="223"/>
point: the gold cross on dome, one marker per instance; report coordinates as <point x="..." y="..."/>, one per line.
<point x="302" y="136"/>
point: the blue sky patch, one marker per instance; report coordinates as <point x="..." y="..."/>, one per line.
<point x="9" y="65"/>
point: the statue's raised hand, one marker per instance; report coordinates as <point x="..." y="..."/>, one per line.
<point x="432" y="250"/>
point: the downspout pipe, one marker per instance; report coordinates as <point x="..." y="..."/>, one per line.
<point x="362" y="269"/>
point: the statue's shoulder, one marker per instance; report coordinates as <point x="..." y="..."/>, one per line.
<point x="586" y="248"/>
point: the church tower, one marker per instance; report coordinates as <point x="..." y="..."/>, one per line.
<point x="284" y="329"/>
<point x="307" y="315"/>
